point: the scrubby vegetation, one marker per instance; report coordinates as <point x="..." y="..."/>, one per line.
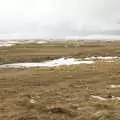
<point x="59" y="93"/>
<point x="35" y="52"/>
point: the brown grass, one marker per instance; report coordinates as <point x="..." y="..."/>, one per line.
<point x="59" y="93"/>
<point x="35" y="52"/>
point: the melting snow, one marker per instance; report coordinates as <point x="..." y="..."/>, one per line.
<point x="6" y="44"/>
<point x="14" y="42"/>
<point x="32" y="101"/>
<point x="115" y="86"/>
<point x="60" y="62"/>
<point x="98" y="97"/>
<point x="101" y="98"/>
<point x="115" y="98"/>
<point x="50" y="63"/>
<point x="102" y="58"/>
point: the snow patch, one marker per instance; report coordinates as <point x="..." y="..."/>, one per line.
<point x="102" y="98"/>
<point x="98" y="97"/>
<point x="115" y="86"/>
<point x="102" y="58"/>
<point x="6" y="44"/>
<point x="14" y="42"/>
<point x="50" y="63"/>
<point x="32" y="101"/>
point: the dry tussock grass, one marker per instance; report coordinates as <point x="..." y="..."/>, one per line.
<point x="59" y="93"/>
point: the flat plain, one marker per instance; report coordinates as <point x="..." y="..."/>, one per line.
<point x="64" y="92"/>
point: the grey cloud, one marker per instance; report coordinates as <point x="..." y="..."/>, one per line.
<point x="59" y="18"/>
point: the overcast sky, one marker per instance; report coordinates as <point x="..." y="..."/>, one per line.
<point x="59" y="18"/>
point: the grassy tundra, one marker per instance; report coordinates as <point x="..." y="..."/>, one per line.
<point x="36" y="52"/>
<point x="60" y="93"/>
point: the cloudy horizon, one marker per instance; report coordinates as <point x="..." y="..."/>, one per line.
<point x="59" y="19"/>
